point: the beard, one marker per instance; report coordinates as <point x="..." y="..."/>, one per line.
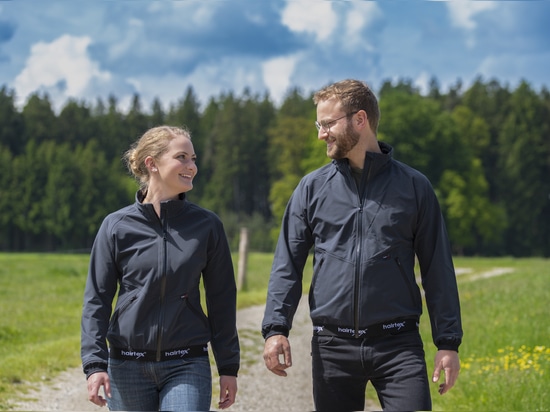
<point x="343" y="143"/>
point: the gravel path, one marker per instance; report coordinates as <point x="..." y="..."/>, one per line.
<point x="259" y="389"/>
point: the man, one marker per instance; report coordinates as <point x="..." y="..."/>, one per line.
<point x="367" y="216"/>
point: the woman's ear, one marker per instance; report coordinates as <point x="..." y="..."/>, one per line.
<point x="150" y="163"/>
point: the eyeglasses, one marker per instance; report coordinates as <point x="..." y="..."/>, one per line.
<point x="327" y="125"/>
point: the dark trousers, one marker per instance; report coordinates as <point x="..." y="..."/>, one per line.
<point x="395" y="365"/>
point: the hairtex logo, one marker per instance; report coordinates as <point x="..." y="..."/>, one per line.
<point x="132" y="354"/>
<point x="395" y="325"/>
<point x="360" y="332"/>
<point x="180" y="352"/>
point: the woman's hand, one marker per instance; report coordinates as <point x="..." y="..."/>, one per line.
<point x="96" y="381"/>
<point x="228" y="391"/>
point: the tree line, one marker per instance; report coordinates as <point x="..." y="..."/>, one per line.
<point x="486" y="150"/>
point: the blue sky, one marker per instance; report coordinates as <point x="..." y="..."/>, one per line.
<point x="92" y="48"/>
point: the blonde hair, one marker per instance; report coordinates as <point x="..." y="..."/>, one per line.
<point x="154" y="143"/>
<point x="353" y="95"/>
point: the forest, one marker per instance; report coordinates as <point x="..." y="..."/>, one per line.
<point x="485" y="148"/>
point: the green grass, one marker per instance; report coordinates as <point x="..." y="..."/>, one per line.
<point x="506" y="349"/>
<point x="40" y="305"/>
<point x="505" y="354"/>
<point x="257" y="278"/>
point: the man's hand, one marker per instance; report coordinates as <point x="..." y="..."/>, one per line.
<point x="276" y="346"/>
<point x="96" y="381"/>
<point x="228" y="391"/>
<point x="447" y="361"/>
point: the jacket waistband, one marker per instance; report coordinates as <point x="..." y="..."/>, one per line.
<point x="392" y="327"/>
<point x="151" y="355"/>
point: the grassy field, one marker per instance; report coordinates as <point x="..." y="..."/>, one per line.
<point x="505" y="355"/>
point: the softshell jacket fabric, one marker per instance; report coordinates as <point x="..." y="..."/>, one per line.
<point x="157" y="264"/>
<point x="365" y="240"/>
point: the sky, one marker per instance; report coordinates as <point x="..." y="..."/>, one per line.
<point x="90" y="49"/>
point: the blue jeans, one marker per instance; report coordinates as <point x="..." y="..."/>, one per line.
<point x="172" y="385"/>
<point x="395" y="365"/>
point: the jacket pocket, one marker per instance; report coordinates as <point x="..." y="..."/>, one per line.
<point x="198" y="312"/>
<point x="124" y="305"/>
<point x="413" y="287"/>
<point x="388" y="288"/>
<point x="331" y="291"/>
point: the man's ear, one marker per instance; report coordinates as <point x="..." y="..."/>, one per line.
<point x="361" y="119"/>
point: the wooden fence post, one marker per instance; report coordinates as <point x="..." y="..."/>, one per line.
<point x="243" y="259"/>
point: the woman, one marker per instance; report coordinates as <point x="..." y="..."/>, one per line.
<point x="155" y="252"/>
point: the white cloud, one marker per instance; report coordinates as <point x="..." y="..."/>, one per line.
<point x="358" y="18"/>
<point x="194" y="12"/>
<point x="207" y="80"/>
<point x="202" y="16"/>
<point x="276" y="75"/>
<point x="462" y="12"/>
<point x="508" y="66"/>
<point x="255" y="18"/>
<point x="422" y="81"/>
<point x="168" y="88"/>
<point x="61" y="68"/>
<point x="132" y="35"/>
<point x="313" y="17"/>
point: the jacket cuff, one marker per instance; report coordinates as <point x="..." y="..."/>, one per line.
<point x="272" y="330"/>
<point x="229" y="370"/>
<point x="94" y="367"/>
<point x="448" y="344"/>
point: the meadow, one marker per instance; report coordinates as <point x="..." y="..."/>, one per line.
<point x="505" y="354"/>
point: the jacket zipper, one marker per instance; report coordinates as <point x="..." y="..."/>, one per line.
<point x="358" y="255"/>
<point x="357" y="273"/>
<point x="162" y="284"/>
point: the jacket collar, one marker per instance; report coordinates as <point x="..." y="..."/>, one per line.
<point x="169" y="208"/>
<point x="373" y="161"/>
<point x="376" y="161"/>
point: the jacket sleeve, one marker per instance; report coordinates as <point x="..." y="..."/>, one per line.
<point x="221" y="302"/>
<point x="285" y="283"/>
<point x="101" y="287"/>
<point x="433" y="250"/>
